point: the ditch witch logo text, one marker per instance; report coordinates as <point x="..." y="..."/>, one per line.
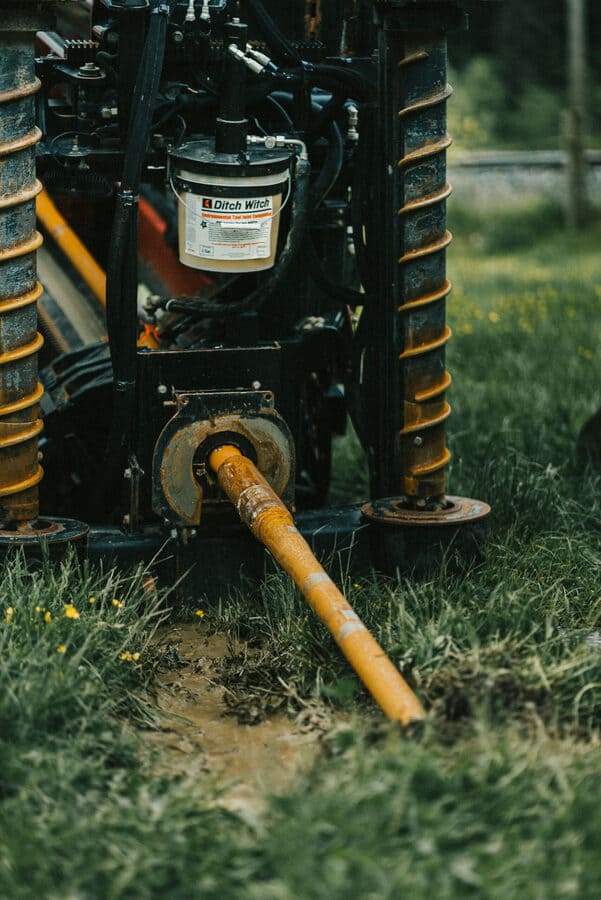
<point x="250" y="204"/>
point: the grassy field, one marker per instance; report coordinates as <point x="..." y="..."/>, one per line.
<point x="498" y="797"/>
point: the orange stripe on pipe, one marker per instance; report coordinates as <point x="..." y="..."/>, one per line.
<point x="271" y="523"/>
<point x="60" y="231"/>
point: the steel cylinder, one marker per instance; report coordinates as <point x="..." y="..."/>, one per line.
<point x="20" y="342"/>
<point x="413" y="286"/>
<point x="423" y="285"/>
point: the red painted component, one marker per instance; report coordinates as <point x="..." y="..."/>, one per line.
<point x="162" y="259"/>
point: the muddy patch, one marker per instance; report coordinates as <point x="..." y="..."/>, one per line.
<point x="201" y="733"/>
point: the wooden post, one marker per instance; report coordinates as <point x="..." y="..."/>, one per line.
<point x="575" y="116"/>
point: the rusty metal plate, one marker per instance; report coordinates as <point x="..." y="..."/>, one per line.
<point x="393" y="511"/>
<point x="51" y="530"/>
<point x="180" y="485"/>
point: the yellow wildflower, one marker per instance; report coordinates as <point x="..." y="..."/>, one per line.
<point x="92" y="600"/>
<point x="48" y="617"/>
<point x="135" y="656"/>
<point x="126" y="656"/>
<point x="39" y="609"/>
<point x="117" y="603"/>
<point x="200" y="613"/>
<point x="70" y="611"/>
<point x="62" y="648"/>
<point x="9" y="614"/>
<point x="357" y="585"/>
<point x="494" y="317"/>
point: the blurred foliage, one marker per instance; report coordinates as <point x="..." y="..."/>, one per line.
<point x="510" y="74"/>
<point x="480" y="117"/>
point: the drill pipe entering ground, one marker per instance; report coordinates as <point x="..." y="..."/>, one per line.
<point x="265" y="515"/>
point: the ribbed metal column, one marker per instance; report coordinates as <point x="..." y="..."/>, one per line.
<point x="423" y="286"/>
<point x="410" y="455"/>
<point x="20" y="392"/>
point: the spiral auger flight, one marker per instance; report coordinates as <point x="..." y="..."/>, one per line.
<point x="414" y="286"/>
<point x="20" y="342"/>
<point x="424" y="286"/>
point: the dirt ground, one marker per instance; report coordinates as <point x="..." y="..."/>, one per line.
<point x="200" y="732"/>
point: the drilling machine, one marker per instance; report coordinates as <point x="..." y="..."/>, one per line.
<point x="264" y="183"/>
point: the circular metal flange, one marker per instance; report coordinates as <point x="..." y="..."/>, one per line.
<point x="51" y="531"/>
<point x="180" y="489"/>
<point x="393" y="511"/>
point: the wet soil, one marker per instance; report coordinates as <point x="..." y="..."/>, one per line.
<point x="200" y="735"/>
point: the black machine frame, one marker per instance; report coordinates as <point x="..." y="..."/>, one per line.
<point x="349" y="322"/>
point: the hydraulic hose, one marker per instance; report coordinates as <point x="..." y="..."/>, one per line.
<point x="330" y="171"/>
<point x="333" y="77"/>
<point x="262" y="511"/>
<point x="121" y="293"/>
<point x="341" y="293"/>
<point x="282" y="48"/>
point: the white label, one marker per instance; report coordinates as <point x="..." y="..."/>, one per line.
<point x="228" y="227"/>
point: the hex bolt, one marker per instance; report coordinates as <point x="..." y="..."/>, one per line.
<point x="256" y="385"/>
<point x="162" y="390"/>
<point x="418" y="441"/>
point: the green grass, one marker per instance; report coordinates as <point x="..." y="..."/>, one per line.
<point x="499" y="796"/>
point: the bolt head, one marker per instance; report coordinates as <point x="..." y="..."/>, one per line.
<point x="162" y="389"/>
<point x="418" y="441"/>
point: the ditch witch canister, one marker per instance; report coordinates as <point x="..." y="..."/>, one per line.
<point x="262" y="185"/>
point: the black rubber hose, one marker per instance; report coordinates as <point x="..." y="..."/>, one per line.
<point x="330" y="171"/>
<point x="285" y="54"/>
<point x="340" y="79"/>
<point x="342" y="294"/>
<point x="323" y="119"/>
<point x="122" y="273"/>
<point x="283" y="51"/>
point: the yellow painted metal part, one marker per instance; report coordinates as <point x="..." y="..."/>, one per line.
<point x="61" y="232"/>
<point x="271" y="523"/>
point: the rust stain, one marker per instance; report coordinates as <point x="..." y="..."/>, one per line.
<point x="18" y="93"/>
<point x="427" y="102"/>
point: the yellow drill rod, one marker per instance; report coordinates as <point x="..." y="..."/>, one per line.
<point x="83" y="261"/>
<point x="264" y="513"/>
